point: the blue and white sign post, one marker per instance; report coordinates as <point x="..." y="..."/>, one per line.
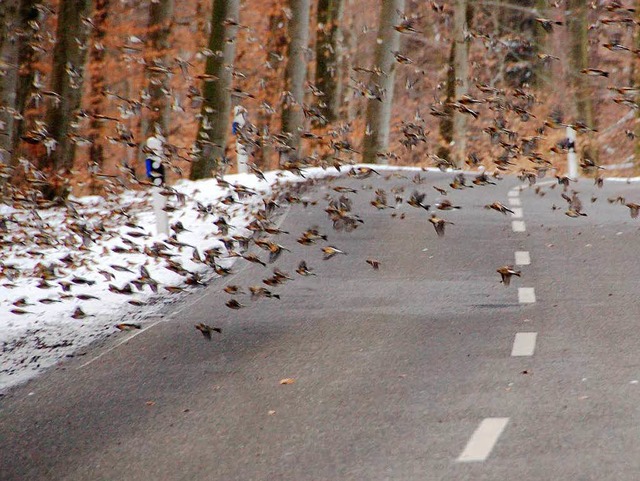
<point x="155" y="173"/>
<point x="239" y="121"/>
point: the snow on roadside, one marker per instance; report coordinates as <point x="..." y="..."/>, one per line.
<point x="70" y="274"/>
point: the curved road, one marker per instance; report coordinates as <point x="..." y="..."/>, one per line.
<point x="425" y="369"/>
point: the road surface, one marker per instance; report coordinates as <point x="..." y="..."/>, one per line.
<point x="425" y="369"/>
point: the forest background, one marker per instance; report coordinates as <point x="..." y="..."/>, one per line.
<point x="492" y="83"/>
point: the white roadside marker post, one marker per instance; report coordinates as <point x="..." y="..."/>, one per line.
<point x="155" y="173"/>
<point x="572" y="162"/>
<point x="239" y="120"/>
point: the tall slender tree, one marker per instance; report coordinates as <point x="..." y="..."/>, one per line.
<point x="446" y="121"/>
<point x="9" y="20"/>
<point x="461" y="69"/>
<point x="376" y="138"/>
<point x="17" y="37"/>
<point x="160" y="26"/>
<point x="274" y="52"/>
<point x="67" y="77"/>
<point x="97" y="81"/>
<point x="636" y="82"/>
<point x="579" y="60"/>
<point x="328" y="56"/>
<point x="216" y="108"/>
<point x="350" y="42"/>
<point x="295" y="73"/>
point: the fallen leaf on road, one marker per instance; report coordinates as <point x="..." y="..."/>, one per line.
<point x="287" y="380"/>
<point x="128" y="326"/>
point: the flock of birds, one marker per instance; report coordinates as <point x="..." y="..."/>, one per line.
<point x="83" y="229"/>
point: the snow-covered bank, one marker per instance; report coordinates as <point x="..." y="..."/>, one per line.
<point x="73" y="274"/>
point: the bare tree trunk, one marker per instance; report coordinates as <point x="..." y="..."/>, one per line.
<point x="542" y="73"/>
<point x="9" y="45"/>
<point x="461" y="69"/>
<point x="328" y="55"/>
<point x="636" y="82"/>
<point x="97" y="82"/>
<point x="18" y="56"/>
<point x="351" y="44"/>
<point x="275" y="46"/>
<point x="216" y="107"/>
<point x="376" y="138"/>
<point x="67" y="76"/>
<point x="579" y="60"/>
<point x="446" y="121"/>
<point x="160" y="23"/>
<point x="296" y="72"/>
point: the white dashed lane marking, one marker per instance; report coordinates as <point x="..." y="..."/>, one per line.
<point x="518" y="226"/>
<point x="526" y="295"/>
<point x="483" y="440"/>
<point x="524" y="344"/>
<point x="523" y="258"/>
<point x="517" y="212"/>
<point x="514" y="193"/>
<point x="514" y="202"/>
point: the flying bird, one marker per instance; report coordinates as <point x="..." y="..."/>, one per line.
<point x="330" y="251"/>
<point x="439" y="224"/>
<point x="506" y="272"/>
<point x="207" y="330"/>
<point x="417" y="200"/>
<point x="303" y="270"/>
<point x="497" y="206"/>
<point x="634" y="209"/>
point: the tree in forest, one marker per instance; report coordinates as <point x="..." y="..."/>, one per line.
<point x="636" y="81"/>
<point x="295" y="74"/>
<point x="446" y="120"/>
<point x="579" y="60"/>
<point x="349" y="52"/>
<point x="19" y="37"/>
<point x="461" y="71"/>
<point x="9" y="20"/>
<point x="378" y="116"/>
<point x="214" y="125"/>
<point x="274" y="51"/>
<point x="97" y="82"/>
<point x="67" y="77"/>
<point x="328" y="57"/>
<point x="160" y="24"/>
<point x="527" y="37"/>
<point x="577" y="24"/>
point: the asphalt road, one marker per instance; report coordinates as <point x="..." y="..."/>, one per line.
<point x="401" y="373"/>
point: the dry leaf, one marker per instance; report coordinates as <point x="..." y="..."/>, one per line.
<point x="287" y="380"/>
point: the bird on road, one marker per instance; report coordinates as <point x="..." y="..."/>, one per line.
<point x="446" y="204"/>
<point x="374" y="263"/>
<point x="207" y="330"/>
<point x="417" y="200"/>
<point x="634" y="209"/>
<point x="439" y="224"/>
<point x="506" y="272"/>
<point x="330" y="251"/>
<point x="497" y="206"/>
<point x="303" y="270"/>
<point x="233" y="304"/>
